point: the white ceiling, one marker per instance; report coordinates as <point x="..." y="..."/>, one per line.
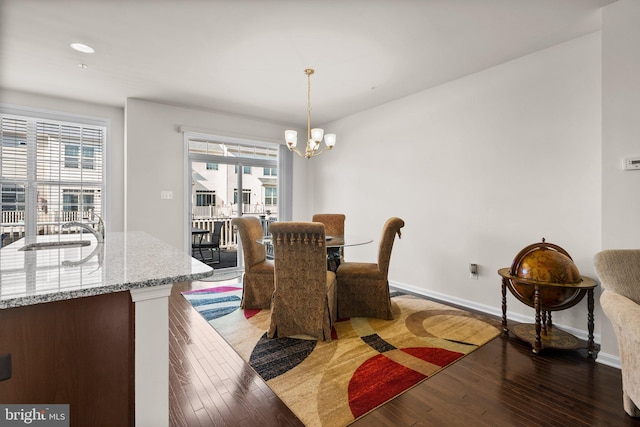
<point x="247" y="57"/>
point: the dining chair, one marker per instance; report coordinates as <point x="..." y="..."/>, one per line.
<point x="212" y="246"/>
<point x="257" y="281"/>
<point x="333" y="223"/>
<point x="363" y="288"/>
<point x="304" y="299"/>
<point x="333" y="226"/>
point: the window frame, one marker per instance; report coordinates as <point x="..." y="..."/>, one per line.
<point x="34" y="202"/>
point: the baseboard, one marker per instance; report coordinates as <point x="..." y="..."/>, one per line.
<point x="603" y="358"/>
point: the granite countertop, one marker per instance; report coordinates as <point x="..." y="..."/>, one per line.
<point x="124" y="261"/>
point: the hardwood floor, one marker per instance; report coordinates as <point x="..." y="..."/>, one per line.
<point x="501" y="384"/>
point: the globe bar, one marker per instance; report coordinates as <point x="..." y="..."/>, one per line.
<point x="544" y="276"/>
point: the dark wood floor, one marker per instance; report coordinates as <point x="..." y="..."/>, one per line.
<point x="500" y="384"/>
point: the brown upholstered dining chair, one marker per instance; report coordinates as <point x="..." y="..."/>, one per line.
<point x="333" y="223"/>
<point x="333" y="226"/>
<point x="304" y="299"/>
<point x="257" y="280"/>
<point x="363" y="288"/>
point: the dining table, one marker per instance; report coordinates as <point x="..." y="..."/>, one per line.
<point x="332" y="241"/>
<point x="334" y="246"/>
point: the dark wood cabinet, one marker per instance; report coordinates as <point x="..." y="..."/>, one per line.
<point x="78" y="352"/>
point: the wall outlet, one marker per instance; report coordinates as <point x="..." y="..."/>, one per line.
<point x="473" y="271"/>
<point x="5" y="366"/>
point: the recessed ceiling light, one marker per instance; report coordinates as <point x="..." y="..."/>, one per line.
<point x="80" y="47"/>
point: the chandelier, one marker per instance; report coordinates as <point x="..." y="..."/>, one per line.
<point x="314" y="136"/>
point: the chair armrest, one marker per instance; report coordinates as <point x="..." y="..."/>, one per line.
<point x="623" y="313"/>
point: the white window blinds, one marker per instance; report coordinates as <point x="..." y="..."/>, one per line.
<point x="50" y="172"/>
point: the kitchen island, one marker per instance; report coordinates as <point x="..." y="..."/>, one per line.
<point x="88" y="325"/>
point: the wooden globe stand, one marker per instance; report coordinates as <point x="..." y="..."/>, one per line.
<point x="544" y="276"/>
<point x="543" y="334"/>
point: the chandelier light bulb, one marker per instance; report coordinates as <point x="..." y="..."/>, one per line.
<point x="291" y="137"/>
<point x="330" y="139"/>
<point x="316" y="134"/>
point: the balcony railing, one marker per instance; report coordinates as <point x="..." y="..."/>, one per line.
<point x="13" y="225"/>
<point x="232" y="211"/>
<point x="228" y="239"/>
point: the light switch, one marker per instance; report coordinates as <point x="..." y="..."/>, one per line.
<point x="165" y="194"/>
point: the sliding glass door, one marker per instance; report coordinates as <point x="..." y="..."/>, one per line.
<point x="229" y="178"/>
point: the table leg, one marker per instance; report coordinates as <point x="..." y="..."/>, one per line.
<point x="505" y="330"/>
<point x="536" y="300"/>
<point x="590" y="343"/>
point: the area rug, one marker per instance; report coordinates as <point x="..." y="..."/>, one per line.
<point x="368" y="362"/>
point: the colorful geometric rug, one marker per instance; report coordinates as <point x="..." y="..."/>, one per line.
<point x="368" y="362"/>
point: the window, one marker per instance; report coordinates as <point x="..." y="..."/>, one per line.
<point x="87" y="157"/>
<point x="72" y="156"/>
<point x="52" y="172"/>
<point x="270" y="172"/>
<point x="12" y="198"/>
<point x="205" y="198"/>
<point x="75" y="201"/>
<point x="246" y="196"/>
<point x="270" y="196"/>
<point x="245" y="170"/>
<point x="212" y="166"/>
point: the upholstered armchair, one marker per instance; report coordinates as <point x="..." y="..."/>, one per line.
<point x="257" y="282"/>
<point x="619" y="272"/>
<point x="363" y="288"/>
<point x="304" y="300"/>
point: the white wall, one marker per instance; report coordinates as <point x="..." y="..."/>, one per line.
<point x="478" y="168"/>
<point x="115" y="166"/>
<point x="154" y="158"/>
<point x="620" y="131"/>
<point x="621" y="124"/>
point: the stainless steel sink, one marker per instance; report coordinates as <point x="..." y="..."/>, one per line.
<point x="55" y="245"/>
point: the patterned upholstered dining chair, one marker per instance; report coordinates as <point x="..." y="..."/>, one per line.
<point x="304" y="300"/>
<point x="257" y="281"/>
<point x="333" y="223"/>
<point x="333" y="226"/>
<point x="363" y="288"/>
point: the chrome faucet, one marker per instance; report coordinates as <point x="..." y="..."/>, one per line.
<point x="98" y="233"/>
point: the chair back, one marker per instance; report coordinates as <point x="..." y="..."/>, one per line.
<point x="216" y="233"/>
<point x="300" y="256"/>
<point x="333" y="223"/>
<point x="304" y="296"/>
<point x="619" y="271"/>
<point x="250" y="230"/>
<point x="391" y="227"/>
